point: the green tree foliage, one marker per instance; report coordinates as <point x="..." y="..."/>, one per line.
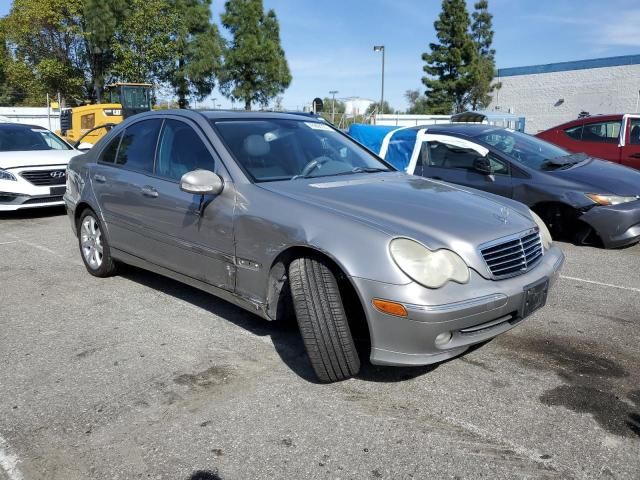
<point x="43" y="35"/>
<point x="375" y="108"/>
<point x="449" y="63"/>
<point x="484" y="67"/>
<point x="198" y="50"/>
<point x="255" y="67"/>
<point x="332" y="111"/>
<point x="101" y="21"/>
<point x="417" y="102"/>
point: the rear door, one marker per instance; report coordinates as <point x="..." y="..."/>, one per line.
<point x="455" y="163"/>
<point x="599" y="139"/>
<point x="630" y="151"/>
<point x="120" y="185"/>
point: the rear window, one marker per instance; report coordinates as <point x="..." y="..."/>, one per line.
<point x="25" y="138"/>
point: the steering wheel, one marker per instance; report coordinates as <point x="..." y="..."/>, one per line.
<point x="313" y="164"/>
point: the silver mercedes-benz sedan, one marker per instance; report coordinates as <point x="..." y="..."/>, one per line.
<point x="284" y="215"/>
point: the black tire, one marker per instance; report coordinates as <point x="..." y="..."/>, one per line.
<point x="107" y="266"/>
<point x="322" y="320"/>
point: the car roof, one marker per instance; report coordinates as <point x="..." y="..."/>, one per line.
<point x="20" y="125"/>
<point x="466" y="129"/>
<point x="251" y="115"/>
<point x="589" y="119"/>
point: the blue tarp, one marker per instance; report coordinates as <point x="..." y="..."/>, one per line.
<point x="400" y="146"/>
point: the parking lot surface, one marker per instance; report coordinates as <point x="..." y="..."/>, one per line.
<point x="138" y="376"/>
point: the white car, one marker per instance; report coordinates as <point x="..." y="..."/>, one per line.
<point x="33" y="167"/>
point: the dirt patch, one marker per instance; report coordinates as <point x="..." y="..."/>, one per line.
<point x="208" y="378"/>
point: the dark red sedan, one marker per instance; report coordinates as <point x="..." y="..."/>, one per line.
<point x="611" y="137"/>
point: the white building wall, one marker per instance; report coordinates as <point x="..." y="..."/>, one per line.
<point x="355" y="105"/>
<point x="596" y="90"/>
<point x="40" y="116"/>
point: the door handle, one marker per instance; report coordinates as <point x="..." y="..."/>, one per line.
<point x="635" y="155"/>
<point x="100" y="178"/>
<point x="149" y="192"/>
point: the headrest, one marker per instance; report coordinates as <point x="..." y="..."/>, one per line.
<point x="256" y="146"/>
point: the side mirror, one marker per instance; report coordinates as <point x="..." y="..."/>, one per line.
<point x="201" y="182"/>
<point x="482" y="165"/>
<point x="84" y="146"/>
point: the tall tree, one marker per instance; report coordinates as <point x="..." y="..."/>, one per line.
<point x="102" y="19"/>
<point x="417" y="102"/>
<point x="449" y="62"/>
<point x="255" y="66"/>
<point x="198" y="51"/>
<point x="143" y="47"/>
<point x="45" y="35"/>
<point x="484" y="66"/>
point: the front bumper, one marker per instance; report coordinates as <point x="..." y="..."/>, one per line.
<point x="20" y="193"/>
<point x="618" y="225"/>
<point x="475" y="312"/>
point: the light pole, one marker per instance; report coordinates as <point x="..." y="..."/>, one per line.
<point x="213" y="102"/>
<point x="333" y="105"/>
<point x="380" y="48"/>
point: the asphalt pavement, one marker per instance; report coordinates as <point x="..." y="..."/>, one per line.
<point x="138" y="376"/>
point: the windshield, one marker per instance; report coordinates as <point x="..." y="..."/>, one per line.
<point x="135" y="97"/>
<point x="21" y="138"/>
<point x="278" y="149"/>
<point x="525" y="149"/>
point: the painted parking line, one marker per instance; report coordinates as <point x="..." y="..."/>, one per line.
<point x="9" y="461"/>
<point x="610" y="285"/>
<point x="8" y="243"/>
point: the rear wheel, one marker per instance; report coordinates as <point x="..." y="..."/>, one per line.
<point x="322" y="320"/>
<point x="94" y="246"/>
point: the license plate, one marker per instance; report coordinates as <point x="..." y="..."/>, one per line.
<point x="57" y="190"/>
<point x="535" y="297"/>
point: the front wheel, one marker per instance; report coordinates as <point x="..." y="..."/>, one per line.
<point x="94" y="246"/>
<point x="322" y="320"/>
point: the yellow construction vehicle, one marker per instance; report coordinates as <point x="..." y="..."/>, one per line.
<point x="89" y="123"/>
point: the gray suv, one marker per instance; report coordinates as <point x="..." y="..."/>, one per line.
<point x="283" y="214"/>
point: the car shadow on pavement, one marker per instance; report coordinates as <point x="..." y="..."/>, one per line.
<point x="28" y="213"/>
<point x="284" y="335"/>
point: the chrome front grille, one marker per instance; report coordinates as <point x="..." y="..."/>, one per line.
<point x="513" y="256"/>
<point x="45" y="177"/>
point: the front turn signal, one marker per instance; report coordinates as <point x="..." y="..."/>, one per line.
<point x="390" y="308"/>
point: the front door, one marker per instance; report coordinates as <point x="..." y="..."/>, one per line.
<point x="630" y="152"/>
<point x="455" y="163"/>
<point x="189" y="234"/>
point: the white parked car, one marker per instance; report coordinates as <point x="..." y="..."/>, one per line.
<point x="33" y="167"/>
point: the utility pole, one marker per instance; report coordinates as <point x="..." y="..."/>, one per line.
<point x="380" y="48"/>
<point x="333" y="105"/>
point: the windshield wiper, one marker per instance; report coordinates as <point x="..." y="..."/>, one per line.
<point x="369" y="170"/>
<point x="563" y="162"/>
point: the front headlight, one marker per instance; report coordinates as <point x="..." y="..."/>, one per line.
<point x="4" y="175"/>
<point x="431" y="269"/>
<point x="603" y="199"/>
<point x="545" y="235"/>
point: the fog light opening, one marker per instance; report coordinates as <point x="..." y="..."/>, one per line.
<point x="443" y="338"/>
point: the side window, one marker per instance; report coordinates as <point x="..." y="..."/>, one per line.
<point x="108" y="155"/>
<point x="498" y="167"/>
<point x="449" y="156"/>
<point x="574" y="132"/>
<point x="602" y="132"/>
<point x="180" y="151"/>
<point x="138" y="145"/>
<point x="634" y="138"/>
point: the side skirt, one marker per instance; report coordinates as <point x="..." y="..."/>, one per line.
<point x="252" y="306"/>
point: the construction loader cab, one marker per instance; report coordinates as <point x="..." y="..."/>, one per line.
<point x="133" y="97"/>
<point x="123" y="100"/>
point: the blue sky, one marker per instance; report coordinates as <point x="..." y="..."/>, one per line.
<point x="329" y="43"/>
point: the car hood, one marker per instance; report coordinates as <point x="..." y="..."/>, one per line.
<point x="601" y="176"/>
<point x="436" y="213"/>
<point x="36" y="158"/>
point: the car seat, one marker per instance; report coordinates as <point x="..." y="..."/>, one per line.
<point x="259" y="160"/>
<point x="634" y="138"/>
